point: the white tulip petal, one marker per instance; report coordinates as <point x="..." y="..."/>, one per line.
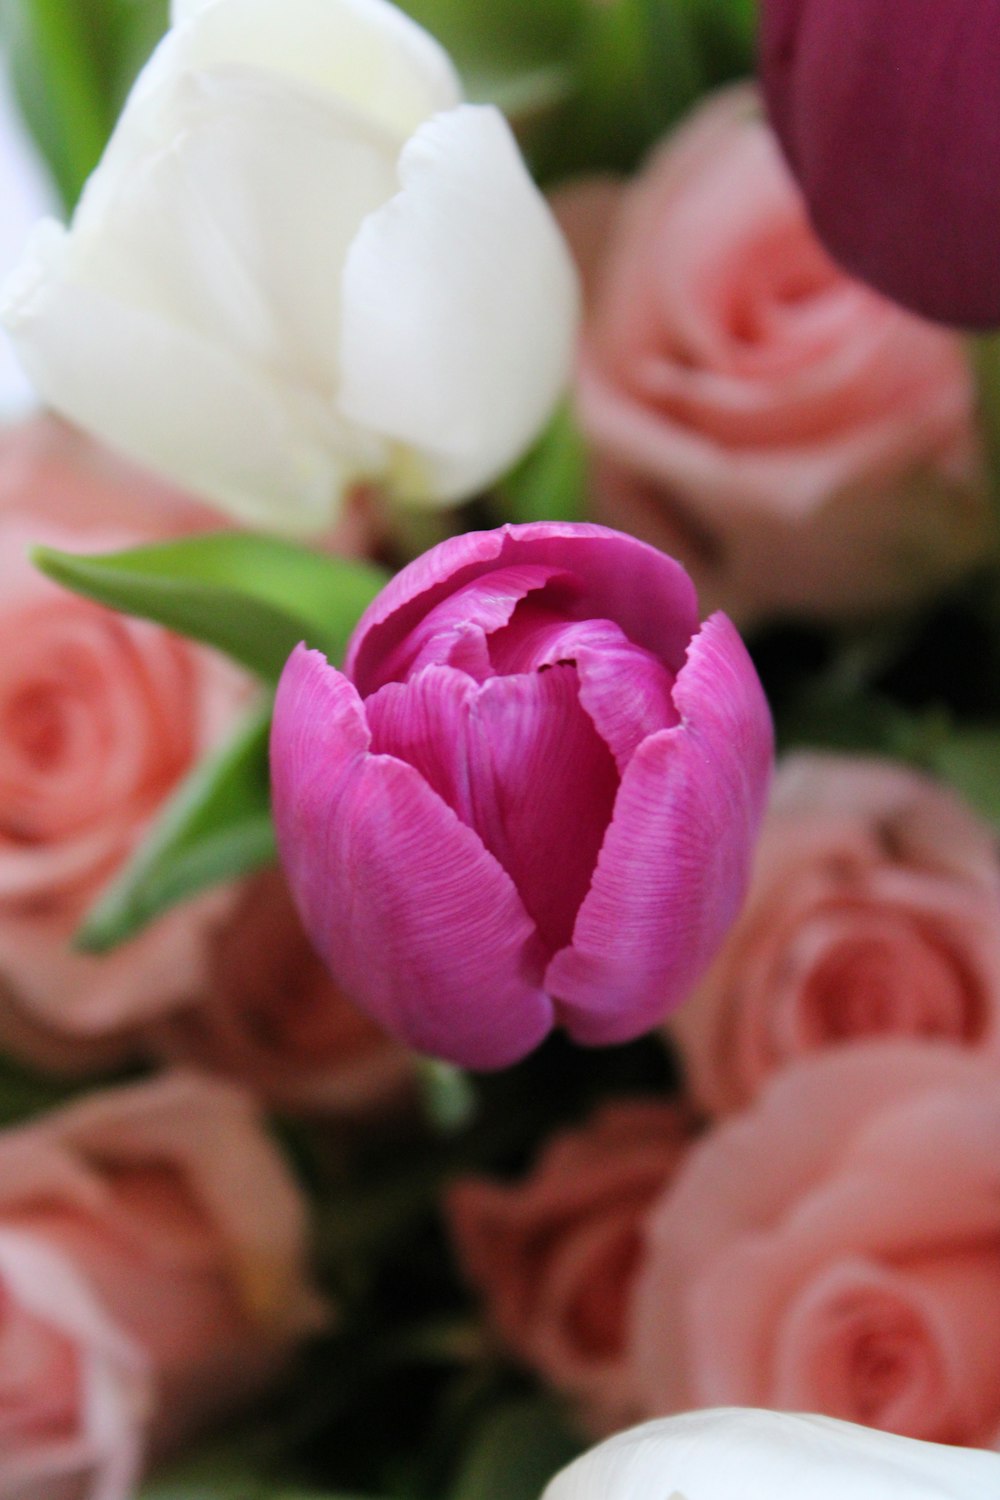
<point x="765" y="1455"/>
<point x="366" y="51"/>
<point x="25" y="195"/>
<point x="459" y="307"/>
<point x="161" y="394"/>
<point x="257" y="203"/>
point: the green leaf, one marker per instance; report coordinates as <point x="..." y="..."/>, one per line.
<point x="58" y="86"/>
<point x="517" y="1450"/>
<point x="550" y="483"/>
<point x="253" y="597"/>
<point x="216" y="827"/>
<point x="970" y="760"/>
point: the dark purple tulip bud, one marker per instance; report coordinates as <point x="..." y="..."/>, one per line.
<point x="889" y="113"/>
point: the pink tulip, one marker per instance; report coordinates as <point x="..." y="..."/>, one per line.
<point x="530" y="799"/>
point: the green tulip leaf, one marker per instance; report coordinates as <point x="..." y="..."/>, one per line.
<point x="217" y="826"/>
<point x="253" y="597"/>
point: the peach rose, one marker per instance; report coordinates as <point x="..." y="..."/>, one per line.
<point x="800" y="443"/>
<point x="74" y="1389"/>
<point x="272" y="1018"/>
<point x="554" y="1256"/>
<point x="152" y="1276"/>
<point x="100" y="718"/>
<point x="836" y="1249"/>
<point x="874" y="910"/>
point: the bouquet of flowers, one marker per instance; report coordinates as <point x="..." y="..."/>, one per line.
<point x="446" y="451"/>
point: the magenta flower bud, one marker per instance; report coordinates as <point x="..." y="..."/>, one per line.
<point x="888" y="113"/>
<point x="530" y="799"/>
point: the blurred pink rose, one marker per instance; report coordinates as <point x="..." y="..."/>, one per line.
<point x="801" y="444"/>
<point x="874" y="910"/>
<point x="836" y="1249"/>
<point x="74" y="1389"/>
<point x="152" y="1276"/>
<point x="272" y="1018"/>
<point x="554" y="1256"/>
<point x="100" y="718"/>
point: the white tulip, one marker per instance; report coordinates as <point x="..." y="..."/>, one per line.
<point x="25" y="193"/>
<point x="765" y="1455"/>
<point x="302" y="263"/>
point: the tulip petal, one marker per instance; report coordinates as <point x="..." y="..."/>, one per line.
<point x="368" y="52"/>
<point x="735" y="1452"/>
<point x="459" y="308"/>
<point x="425" y="722"/>
<point x="233" y="436"/>
<point x="455" y="631"/>
<point x="241" y="229"/>
<point x="675" y="862"/>
<point x="616" y="577"/>
<point x="416" y="921"/>
<point x="625" y="690"/>
<point x="542" y="784"/>
<point x="519" y="761"/>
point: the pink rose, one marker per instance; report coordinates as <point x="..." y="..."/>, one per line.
<point x="272" y="1018"/>
<point x="836" y="1249"/>
<point x="874" y="910"/>
<point x="555" y="1255"/>
<point x="800" y="443"/>
<point x="152" y="1276"/>
<point x="100" y="717"/>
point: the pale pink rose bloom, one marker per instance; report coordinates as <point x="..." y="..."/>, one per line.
<point x="101" y="716"/>
<point x="555" y="1256"/>
<point x="801" y="444"/>
<point x="153" y="1275"/>
<point x="272" y="1018"/>
<point x="836" y="1249"/>
<point x="874" y="910"/>
<point x="75" y="1390"/>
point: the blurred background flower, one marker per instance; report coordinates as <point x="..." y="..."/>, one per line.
<point x="873" y="912"/>
<point x="804" y="446"/>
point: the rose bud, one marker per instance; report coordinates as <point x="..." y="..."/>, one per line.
<point x="334" y="269"/>
<point x="531" y="797"/>
<point x="555" y="1255"/>
<point x="777" y="1455"/>
<point x="887" y="113"/>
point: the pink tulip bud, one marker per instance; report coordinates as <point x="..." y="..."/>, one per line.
<point x="888" y="114"/>
<point x="531" y="797"/>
